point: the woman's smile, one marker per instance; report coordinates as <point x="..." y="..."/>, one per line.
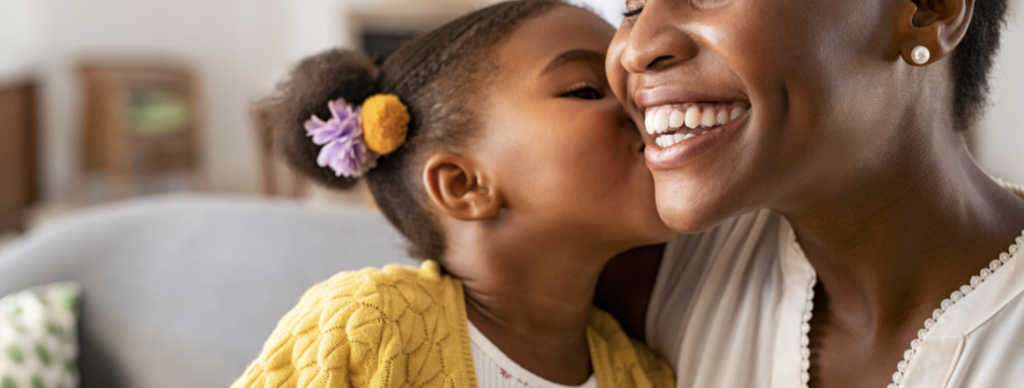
<point x="678" y="137"/>
<point x="681" y="125"/>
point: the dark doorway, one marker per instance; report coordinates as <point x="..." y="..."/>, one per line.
<point x="380" y="44"/>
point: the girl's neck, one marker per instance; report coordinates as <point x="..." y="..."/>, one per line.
<point x="533" y="305"/>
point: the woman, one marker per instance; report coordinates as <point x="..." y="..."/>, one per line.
<point x="882" y="256"/>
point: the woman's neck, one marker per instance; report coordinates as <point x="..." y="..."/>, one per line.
<point x="890" y="247"/>
<point x="532" y="305"/>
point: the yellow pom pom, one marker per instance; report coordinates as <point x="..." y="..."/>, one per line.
<point x="385" y="123"/>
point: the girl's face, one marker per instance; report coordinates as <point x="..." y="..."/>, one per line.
<point x="568" y="159"/>
<point x="790" y="99"/>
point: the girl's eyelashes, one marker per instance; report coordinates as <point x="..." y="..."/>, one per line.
<point x="584" y="90"/>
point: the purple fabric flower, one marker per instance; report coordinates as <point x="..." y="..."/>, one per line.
<point x="344" y="149"/>
<point x="347" y="156"/>
<point x="344" y="122"/>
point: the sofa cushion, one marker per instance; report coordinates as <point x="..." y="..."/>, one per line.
<point x="38" y="341"/>
<point x="182" y="291"/>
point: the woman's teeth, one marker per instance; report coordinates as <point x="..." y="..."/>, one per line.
<point x="671" y="125"/>
<point x="670" y="139"/>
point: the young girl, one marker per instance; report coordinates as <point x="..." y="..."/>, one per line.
<point x="495" y="145"/>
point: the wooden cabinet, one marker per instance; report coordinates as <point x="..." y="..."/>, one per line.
<point x="19" y="172"/>
<point x="140" y="123"/>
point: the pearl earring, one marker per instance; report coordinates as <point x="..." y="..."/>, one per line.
<point x="920" y="55"/>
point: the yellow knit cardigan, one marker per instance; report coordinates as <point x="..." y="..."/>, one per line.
<point x="407" y="327"/>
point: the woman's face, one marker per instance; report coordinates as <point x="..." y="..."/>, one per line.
<point x="566" y="157"/>
<point x="789" y="99"/>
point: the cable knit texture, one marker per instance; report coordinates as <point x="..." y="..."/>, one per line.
<point x="406" y="327"/>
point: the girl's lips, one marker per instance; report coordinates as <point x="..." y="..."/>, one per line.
<point x="689" y="149"/>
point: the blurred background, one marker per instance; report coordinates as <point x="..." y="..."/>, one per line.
<point x="102" y="100"/>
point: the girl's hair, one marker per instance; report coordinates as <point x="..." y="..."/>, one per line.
<point x="972" y="60"/>
<point x="437" y="75"/>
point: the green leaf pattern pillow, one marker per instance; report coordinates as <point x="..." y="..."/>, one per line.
<point x="38" y="344"/>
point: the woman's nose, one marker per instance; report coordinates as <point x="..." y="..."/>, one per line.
<point x="659" y="39"/>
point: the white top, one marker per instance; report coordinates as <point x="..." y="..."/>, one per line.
<point x="495" y="370"/>
<point x="727" y="305"/>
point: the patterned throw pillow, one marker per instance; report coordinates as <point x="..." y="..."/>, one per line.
<point x="38" y="344"/>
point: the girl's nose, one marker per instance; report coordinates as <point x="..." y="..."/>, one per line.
<point x="659" y="37"/>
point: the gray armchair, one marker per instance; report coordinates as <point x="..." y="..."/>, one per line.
<point x="181" y="291"/>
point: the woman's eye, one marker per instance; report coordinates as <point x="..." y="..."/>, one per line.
<point x="586" y="92"/>
<point x="633" y="8"/>
<point x="632" y="11"/>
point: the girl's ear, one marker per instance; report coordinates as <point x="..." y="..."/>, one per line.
<point x="937" y="26"/>
<point x="460" y="187"/>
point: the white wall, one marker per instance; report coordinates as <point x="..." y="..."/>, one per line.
<point x="20" y="37"/>
<point x="610" y="10"/>
<point x="1000" y="139"/>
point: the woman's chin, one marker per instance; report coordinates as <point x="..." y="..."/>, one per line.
<point x="689" y="214"/>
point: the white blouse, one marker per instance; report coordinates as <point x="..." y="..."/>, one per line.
<point x="495" y="370"/>
<point x="728" y="303"/>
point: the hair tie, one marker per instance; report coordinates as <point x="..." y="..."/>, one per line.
<point x="354" y="137"/>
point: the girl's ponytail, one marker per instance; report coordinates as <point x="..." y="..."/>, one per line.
<point x="311" y="84"/>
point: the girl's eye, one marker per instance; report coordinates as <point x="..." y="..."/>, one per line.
<point x="584" y="91"/>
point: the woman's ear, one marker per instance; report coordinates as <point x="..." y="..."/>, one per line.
<point x="929" y="30"/>
<point x="460" y="187"/>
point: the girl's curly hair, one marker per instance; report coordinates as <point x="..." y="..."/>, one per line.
<point x="437" y="75"/>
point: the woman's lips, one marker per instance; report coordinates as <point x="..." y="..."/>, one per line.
<point x="684" y="123"/>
